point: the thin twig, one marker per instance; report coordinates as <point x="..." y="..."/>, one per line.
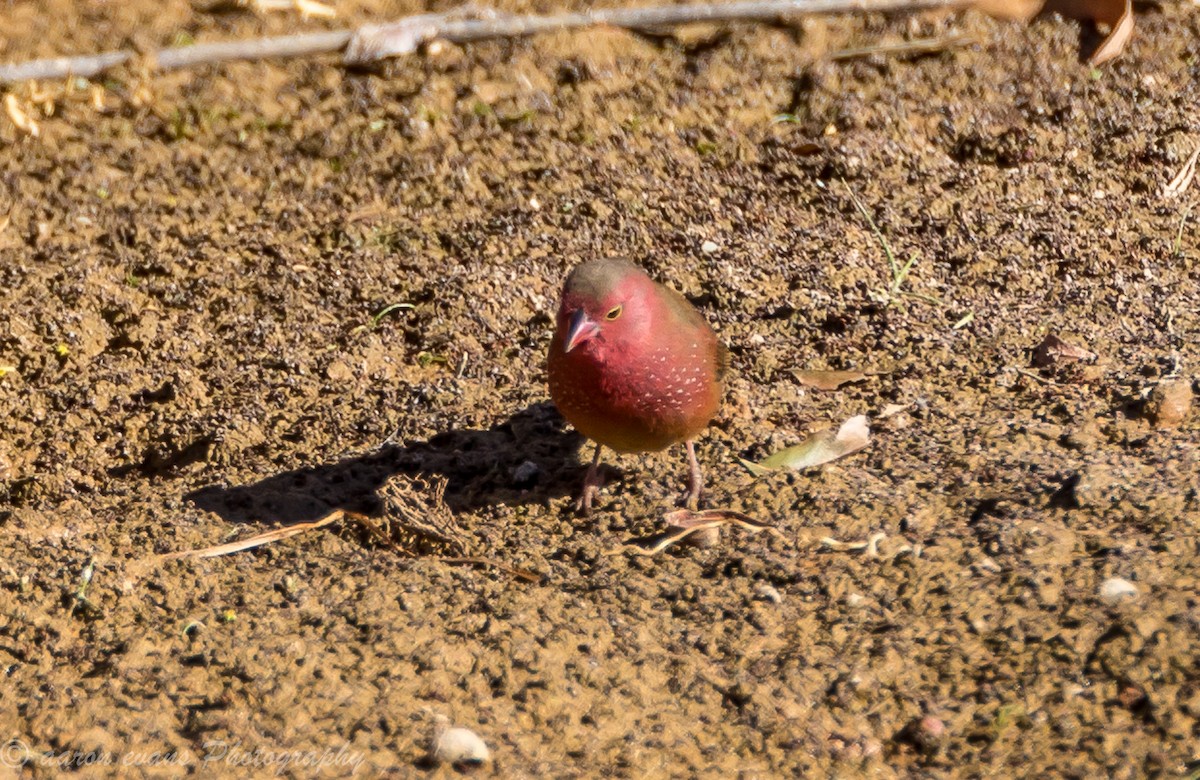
<point x="405" y="35"/>
<point x="334" y="516"/>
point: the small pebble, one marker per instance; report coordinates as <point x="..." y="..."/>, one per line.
<point x="1114" y="590"/>
<point x="708" y="247"/>
<point x="1169" y="403"/>
<point x="927" y="733"/>
<point x="930" y="731"/>
<point x="768" y="592"/>
<point x="526" y="474"/>
<point x="459" y="746"/>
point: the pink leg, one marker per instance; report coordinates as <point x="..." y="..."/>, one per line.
<point x="695" y="479"/>
<point x="591" y="485"/>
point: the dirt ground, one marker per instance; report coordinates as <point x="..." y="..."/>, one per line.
<point x="191" y="265"/>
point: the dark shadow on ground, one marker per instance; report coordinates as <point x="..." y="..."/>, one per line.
<point x="528" y="458"/>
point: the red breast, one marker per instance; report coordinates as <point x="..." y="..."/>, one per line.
<point x="632" y="364"/>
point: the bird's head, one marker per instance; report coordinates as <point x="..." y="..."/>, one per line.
<point x="604" y="302"/>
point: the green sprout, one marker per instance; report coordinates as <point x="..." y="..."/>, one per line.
<point x="386" y="310"/>
<point x="899" y="272"/>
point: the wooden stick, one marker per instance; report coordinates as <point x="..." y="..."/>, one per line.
<point x="374" y="42"/>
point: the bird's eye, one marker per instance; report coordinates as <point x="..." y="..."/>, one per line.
<point x="613" y="313"/>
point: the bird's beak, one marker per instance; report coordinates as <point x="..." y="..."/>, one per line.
<point x="580" y="330"/>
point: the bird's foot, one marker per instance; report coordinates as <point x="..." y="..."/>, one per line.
<point x="592" y="483"/>
<point x="583" y="504"/>
<point x="695" y="489"/>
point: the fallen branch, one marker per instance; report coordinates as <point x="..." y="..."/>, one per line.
<point x="375" y="42"/>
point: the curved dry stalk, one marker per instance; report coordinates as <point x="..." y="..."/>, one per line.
<point x="686" y="523"/>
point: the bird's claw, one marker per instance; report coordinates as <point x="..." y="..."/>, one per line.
<point x="690" y="499"/>
<point x="591" y="487"/>
<point x="583" y="504"/>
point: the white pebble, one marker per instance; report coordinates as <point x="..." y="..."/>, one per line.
<point x="1115" y="590"/>
<point x="708" y="247"/>
<point x="459" y="746"/>
<point x="768" y="592"/>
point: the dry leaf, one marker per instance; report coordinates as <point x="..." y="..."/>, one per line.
<point x="821" y="447"/>
<point x="23" y="121"/>
<point x="373" y="42"/>
<point x="1054" y="351"/>
<point x="1117" y="14"/>
<point x="828" y="380"/>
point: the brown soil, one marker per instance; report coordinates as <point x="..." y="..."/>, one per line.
<point x="188" y="277"/>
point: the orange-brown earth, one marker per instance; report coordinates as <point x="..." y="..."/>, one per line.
<point x="189" y="271"/>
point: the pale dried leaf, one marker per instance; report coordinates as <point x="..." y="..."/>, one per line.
<point x="374" y="42"/>
<point x="828" y="380"/>
<point x="1117" y="14"/>
<point x="821" y="447"/>
<point x="1015" y="10"/>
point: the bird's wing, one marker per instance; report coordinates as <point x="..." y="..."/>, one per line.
<point x="722" y="360"/>
<point x="690" y="317"/>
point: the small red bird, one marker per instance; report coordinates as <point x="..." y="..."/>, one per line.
<point x="633" y="366"/>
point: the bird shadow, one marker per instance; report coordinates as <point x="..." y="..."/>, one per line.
<point x="526" y="459"/>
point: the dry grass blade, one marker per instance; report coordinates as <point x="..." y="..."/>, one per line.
<point x="258" y="540"/>
<point x="917" y="46"/>
<point x="1183" y="179"/>
<point x="416" y="524"/>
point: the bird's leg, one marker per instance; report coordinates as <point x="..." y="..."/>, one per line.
<point x="695" y="479"/>
<point x="591" y="485"/>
